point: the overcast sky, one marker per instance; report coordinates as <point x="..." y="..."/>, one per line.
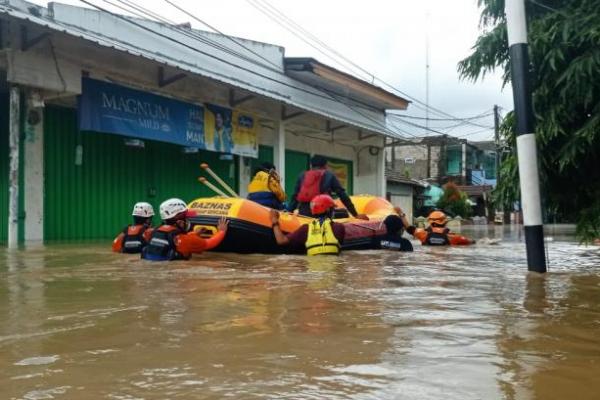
<point x="386" y="38"/>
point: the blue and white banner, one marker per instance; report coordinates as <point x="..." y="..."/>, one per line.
<point x="110" y="108"/>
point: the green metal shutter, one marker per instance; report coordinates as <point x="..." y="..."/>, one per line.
<point x="3" y="167"/>
<point x="295" y="163"/>
<point x="265" y="154"/>
<point x="94" y="200"/>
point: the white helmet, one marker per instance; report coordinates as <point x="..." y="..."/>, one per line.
<point x="170" y="208"/>
<point x="142" y="209"/>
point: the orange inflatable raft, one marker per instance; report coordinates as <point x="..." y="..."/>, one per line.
<point x="250" y="226"/>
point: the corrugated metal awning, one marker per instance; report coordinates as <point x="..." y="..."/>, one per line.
<point x="166" y="45"/>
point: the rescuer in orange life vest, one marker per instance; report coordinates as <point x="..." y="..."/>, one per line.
<point x="436" y="234"/>
<point x="320" y="237"/>
<point x="319" y="180"/>
<point x="134" y="237"/>
<point x="173" y="241"/>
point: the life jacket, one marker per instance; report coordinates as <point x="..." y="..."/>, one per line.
<point x="437" y="236"/>
<point x="260" y="183"/>
<point x="320" y="239"/>
<point x="161" y="246"/>
<point x="274" y="184"/>
<point x="133" y="238"/>
<point x="311" y="185"/>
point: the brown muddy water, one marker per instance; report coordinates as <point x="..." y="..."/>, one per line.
<point x="78" y="322"/>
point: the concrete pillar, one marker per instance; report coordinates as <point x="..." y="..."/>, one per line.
<point x="34" y="172"/>
<point x="279" y="149"/>
<point x="245" y="175"/>
<point x="381" y="181"/>
<point x="13" y="166"/>
<point x="463" y="171"/>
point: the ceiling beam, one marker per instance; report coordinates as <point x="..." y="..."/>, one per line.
<point x="27" y="43"/>
<point x="164" y="81"/>
<point x="287" y="117"/>
<point x="233" y="102"/>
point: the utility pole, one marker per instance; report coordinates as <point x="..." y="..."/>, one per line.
<point x="497" y="143"/>
<point x="526" y="146"/>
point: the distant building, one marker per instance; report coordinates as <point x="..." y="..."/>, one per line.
<point x="443" y="158"/>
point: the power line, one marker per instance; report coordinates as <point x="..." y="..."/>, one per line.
<point x="145" y="28"/>
<point x="265" y="2"/>
<point x="478" y="116"/>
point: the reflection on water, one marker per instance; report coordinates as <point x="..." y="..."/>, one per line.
<point x="454" y="323"/>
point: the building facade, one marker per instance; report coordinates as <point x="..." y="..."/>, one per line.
<point x="99" y="111"/>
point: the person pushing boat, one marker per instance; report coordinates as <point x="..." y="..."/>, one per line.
<point x="322" y="236"/>
<point x="134" y="237"/>
<point x="173" y="241"/>
<point x="437" y="234"/>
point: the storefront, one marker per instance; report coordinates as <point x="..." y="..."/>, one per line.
<point x="112" y="116"/>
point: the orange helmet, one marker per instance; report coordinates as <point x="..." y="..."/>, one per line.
<point x="438" y="218"/>
<point x="321" y="204"/>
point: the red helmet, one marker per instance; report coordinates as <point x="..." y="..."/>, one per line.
<point x="321" y="204"/>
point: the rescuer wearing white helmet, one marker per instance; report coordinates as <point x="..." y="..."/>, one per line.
<point x="173" y="241"/>
<point x="134" y="237"/>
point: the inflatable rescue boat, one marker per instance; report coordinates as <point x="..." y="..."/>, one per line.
<point x="250" y="228"/>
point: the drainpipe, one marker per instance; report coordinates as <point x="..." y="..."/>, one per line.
<point x="13" y="167"/>
<point x="526" y="144"/>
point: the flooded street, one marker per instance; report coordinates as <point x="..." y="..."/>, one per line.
<point x="79" y="322"/>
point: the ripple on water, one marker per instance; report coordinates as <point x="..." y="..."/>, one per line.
<point x="39" y="360"/>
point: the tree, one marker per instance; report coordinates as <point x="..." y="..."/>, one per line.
<point x="454" y="201"/>
<point x="564" y="47"/>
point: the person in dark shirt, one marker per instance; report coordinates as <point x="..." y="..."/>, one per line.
<point x="319" y="180"/>
<point x="393" y="240"/>
<point x="322" y="236"/>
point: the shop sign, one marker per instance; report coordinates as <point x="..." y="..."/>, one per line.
<point x="230" y="131"/>
<point x="341" y="171"/>
<point x="110" y="108"/>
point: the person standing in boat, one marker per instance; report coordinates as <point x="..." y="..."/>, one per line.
<point x="134" y="237"/>
<point x="173" y="241"/>
<point x="319" y="180"/>
<point x="265" y="187"/>
<point x="437" y="234"/>
<point x="322" y="236"/>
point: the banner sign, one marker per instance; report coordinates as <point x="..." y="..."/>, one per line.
<point x="341" y="171"/>
<point x="110" y="108"/>
<point x="245" y="134"/>
<point x="230" y="131"/>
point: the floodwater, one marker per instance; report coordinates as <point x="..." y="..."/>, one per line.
<point x="78" y="322"/>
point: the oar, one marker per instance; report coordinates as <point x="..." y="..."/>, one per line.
<point x="211" y="186"/>
<point x="228" y="188"/>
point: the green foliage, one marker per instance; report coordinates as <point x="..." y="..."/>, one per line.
<point x="564" y="38"/>
<point x="454" y="201"/>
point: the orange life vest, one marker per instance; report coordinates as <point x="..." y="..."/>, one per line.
<point x="161" y="246"/>
<point x="311" y="185"/>
<point x="133" y="238"/>
<point x="437" y="236"/>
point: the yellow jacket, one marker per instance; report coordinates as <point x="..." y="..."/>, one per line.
<point x="321" y="240"/>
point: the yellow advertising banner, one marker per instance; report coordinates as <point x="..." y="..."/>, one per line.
<point x="245" y="134"/>
<point x="341" y="171"/>
<point x="230" y="131"/>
